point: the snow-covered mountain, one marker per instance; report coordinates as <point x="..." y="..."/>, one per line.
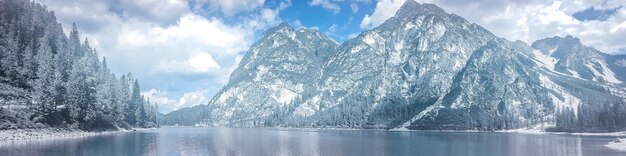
<point x="568" y="56"/>
<point x="277" y="69"/>
<point x="422" y="69"/>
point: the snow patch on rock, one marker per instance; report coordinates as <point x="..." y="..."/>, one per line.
<point x="261" y="70"/>
<point x="605" y="74"/>
<point x="545" y="60"/>
<point x="309" y="107"/>
<point x="396" y="55"/>
<point x="568" y="101"/>
<point x="357" y="48"/>
<point x="370" y="38"/>
<point x="432" y="108"/>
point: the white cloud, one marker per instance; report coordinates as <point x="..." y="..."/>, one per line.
<point x="326" y="4"/>
<point x="167" y="105"/>
<point x="262" y="20"/>
<point x="191" y="46"/>
<point x="526" y="20"/>
<point x="197" y="63"/>
<point x="203" y="62"/>
<point x="159" y="11"/>
<point x="384" y="9"/>
<point x="549" y="14"/>
<point x="269" y="15"/>
<point x="165" y="44"/>
<point x="91" y="19"/>
<point x="297" y="24"/>
<point x="284" y="4"/>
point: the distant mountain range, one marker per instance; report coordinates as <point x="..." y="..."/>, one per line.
<point x="421" y="69"/>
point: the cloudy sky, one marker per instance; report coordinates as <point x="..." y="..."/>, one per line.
<point x="183" y="51"/>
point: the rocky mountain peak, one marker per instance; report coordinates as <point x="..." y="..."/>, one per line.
<point x="410" y="9"/>
<point x="567" y="47"/>
<point x="281" y="29"/>
<point x="571" y="57"/>
<point x="421" y="69"/>
<point x="556" y="41"/>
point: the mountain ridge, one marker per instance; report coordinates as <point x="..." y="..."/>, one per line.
<point x="427" y="69"/>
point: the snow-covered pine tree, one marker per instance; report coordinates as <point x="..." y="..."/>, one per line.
<point x="132" y="111"/>
<point x="43" y="87"/>
<point x="82" y="89"/>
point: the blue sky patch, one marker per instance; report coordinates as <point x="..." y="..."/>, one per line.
<point x="592" y="13"/>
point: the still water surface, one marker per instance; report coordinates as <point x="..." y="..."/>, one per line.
<point x="267" y="141"/>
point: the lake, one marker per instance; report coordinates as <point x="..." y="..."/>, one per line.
<point x="273" y="141"/>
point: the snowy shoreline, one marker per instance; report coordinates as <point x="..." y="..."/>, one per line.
<point x="52" y="133"/>
<point x="7" y="136"/>
<point x="521" y="131"/>
<point x="619" y="145"/>
<point x="614" y="145"/>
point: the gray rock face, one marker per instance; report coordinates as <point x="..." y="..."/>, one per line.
<point x="421" y="69"/>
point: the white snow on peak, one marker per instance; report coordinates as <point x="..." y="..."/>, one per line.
<point x="292" y="35"/>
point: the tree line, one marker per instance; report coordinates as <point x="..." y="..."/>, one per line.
<point x="48" y="79"/>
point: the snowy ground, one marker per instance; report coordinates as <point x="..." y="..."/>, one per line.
<point x="535" y="131"/>
<point x="620" y="146"/>
<point x="48" y="133"/>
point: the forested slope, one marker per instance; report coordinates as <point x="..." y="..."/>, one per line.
<point x="48" y="79"/>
